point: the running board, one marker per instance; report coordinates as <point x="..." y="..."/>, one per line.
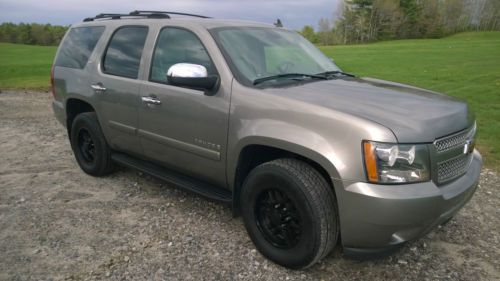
<point x="187" y="183"/>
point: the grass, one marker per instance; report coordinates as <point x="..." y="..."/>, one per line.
<point x="25" y="66"/>
<point x="466" y="66"/>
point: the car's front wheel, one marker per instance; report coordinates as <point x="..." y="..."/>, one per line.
<point x="290" y="212"/>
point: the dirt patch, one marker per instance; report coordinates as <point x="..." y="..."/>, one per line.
<point x="57" y="223"/>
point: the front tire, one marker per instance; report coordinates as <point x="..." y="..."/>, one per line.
<point x="89" y="145"/>
<point x="290" y="212"/>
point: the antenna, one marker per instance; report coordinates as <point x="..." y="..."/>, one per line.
<point x="278" y="23"/>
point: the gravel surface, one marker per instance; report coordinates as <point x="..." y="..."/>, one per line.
<point x="57" y="223"/>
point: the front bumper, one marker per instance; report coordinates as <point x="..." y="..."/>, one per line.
<point x="376" y="218"/>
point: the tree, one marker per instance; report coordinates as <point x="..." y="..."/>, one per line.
<point x="308" y="32"/>
<point x="430" y="25"/>
<point x="411" y="12"/>
<point x="24" y="34"/>
<point x="8" y="32"/>
<point x="325" y="32"/>
<point x="33" y="33"/>
<point x="490" y="16"/>
<point x="386" y="20"/>
<point x="372" y="20"/>
<point x="41" y="34"/>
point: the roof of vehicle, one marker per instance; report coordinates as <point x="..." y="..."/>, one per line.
<point x="152" y="18"/>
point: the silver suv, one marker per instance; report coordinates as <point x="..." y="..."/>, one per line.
<point x="255" y="116"/>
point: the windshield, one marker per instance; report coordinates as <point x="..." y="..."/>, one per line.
<point x="256" y="52"/>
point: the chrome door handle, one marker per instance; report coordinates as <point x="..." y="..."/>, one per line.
<point x="98" y="87"/>
<point x="151" y="100"/>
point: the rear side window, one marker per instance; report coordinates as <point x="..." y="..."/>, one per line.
<point x="78" y="45"/>
<point x="123" y="55"/>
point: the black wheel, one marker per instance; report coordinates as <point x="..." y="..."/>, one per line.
<point x="89" y="146"/>
<point x="290" y="212"/>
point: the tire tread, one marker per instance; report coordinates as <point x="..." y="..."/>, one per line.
<point x="105" y="165"/>
<point x="321" y="198"/>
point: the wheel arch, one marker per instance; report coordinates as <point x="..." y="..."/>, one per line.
<point x="257" y="152"/>
<point x="75" y="106"/>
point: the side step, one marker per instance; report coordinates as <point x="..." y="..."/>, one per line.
<point x="187" y="183"/>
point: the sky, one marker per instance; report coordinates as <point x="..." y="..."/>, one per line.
<point x="293" y="13"/>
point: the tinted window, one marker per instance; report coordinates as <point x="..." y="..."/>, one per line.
<point x="78" y="46"/>
<point x="123" y="55"/>
<point x="176" y="45"/>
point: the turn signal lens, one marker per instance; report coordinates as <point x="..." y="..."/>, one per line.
<point x="370" y="162"/>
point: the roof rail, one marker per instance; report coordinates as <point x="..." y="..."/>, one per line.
<point x="141" y="14"/>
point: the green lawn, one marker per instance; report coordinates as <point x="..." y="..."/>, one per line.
<point x="466" y="66"/>
<point x="25" y="66"/>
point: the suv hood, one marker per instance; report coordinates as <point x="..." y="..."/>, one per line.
<point x="414" y="115"/>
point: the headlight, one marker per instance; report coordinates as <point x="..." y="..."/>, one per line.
<point x="396" y="163"/>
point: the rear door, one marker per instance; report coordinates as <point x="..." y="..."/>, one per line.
<point x="71" y="66"/>
<point x="185" y="129"/>
<point x="116" y="86"/>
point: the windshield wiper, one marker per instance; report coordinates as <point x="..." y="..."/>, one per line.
<point x="288" y="75"/>
<point x="334" y="72"/>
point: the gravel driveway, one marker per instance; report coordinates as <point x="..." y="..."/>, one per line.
<point x="57" y="223"/>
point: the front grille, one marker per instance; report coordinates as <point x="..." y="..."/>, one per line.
<point x="453" y="141"/>
<point x="452" y="155"/>
<point x="453" y="168"/>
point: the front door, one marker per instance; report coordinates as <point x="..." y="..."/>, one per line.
<point x="182" y="128"/>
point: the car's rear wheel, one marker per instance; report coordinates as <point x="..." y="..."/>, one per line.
<point x="89" y="146"/>
<point x="290" y="212"/>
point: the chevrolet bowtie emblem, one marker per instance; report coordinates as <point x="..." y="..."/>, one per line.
<point x="469" y="146"/>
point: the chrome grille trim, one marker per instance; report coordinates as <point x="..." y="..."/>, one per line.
<point x="450" y="155"/>
<point x="453" y="168"/>
<point x="454" y="141"/>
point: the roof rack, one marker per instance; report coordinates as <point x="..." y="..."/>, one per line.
<point x="142" y="14"/>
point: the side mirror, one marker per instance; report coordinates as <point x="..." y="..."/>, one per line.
<point x="192" y="76"/>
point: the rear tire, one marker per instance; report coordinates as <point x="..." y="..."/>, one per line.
<point x="91" y="150"/>
<point x="290" y="212"/>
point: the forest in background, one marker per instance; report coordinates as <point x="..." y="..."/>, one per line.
<point x="32" y="33"/>
<point x="364" y="21"/>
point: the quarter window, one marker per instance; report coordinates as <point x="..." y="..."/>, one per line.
<point x="77" y="46"/>
<point x="177" y="45"/>
<point x="123" y="55"/>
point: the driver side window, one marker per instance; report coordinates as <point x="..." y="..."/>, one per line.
<point x="177" y="45"/>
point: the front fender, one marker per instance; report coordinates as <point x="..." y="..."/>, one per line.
<point x="284" y="136"/>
